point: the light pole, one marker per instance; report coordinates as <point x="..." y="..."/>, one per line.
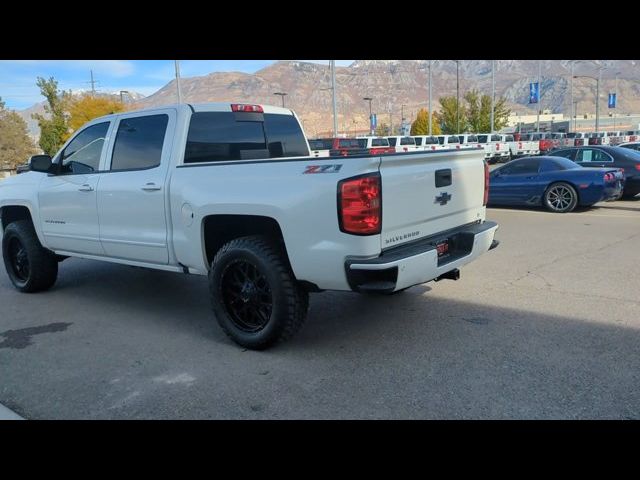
<point x="539" y="94"/>
<point x="457" y="96"/>
<point x="335" y="105"/>
<point x="402" y="119"/>
<point x="575" y="115"/>
<point x="430" y="114"/>
<point x="493" y="91"/>
<point x="177" y="65"/>
<point x="615" y="91"/>
<point x="282" y="95"/>
<point x="597" y="95"/>
<point x="369" y="99"/>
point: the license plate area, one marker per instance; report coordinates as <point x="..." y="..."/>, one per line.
<point x="443" y="248"/>
<point x="454" y="247"/>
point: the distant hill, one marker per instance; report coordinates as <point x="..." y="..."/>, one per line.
<point x="393" y="83"/>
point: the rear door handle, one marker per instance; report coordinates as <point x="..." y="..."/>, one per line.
<point x="151" y="187"/>
<point x="85" y="188"/>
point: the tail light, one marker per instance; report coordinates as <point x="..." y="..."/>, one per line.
<point x="241" y="107"/>
<point x="637" y="166"/>
<point x="406" y="149"/>
<point x="609" y="177"/>
<point x="497" y="146"/>
<point x="360" y="205"/>
<point x="486" y="184"/>
<point x="458" y="147"/>
<point x="433" y="147"/>
<point x="520" y="146"/>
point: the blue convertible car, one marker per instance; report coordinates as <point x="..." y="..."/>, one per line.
<point x="554" y="182"/>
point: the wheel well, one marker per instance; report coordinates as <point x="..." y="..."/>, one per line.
<point x="568" y="183"/>
<point x="220" y="229"/>
<point x="13" y="213"/>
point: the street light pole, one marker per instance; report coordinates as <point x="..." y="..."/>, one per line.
<point x="430" y="114"/>
<point x="121" y="96"/>
<point x="402" y="119"/>
<point x="615" y="91"/>
<point x="369" y="99"/>
<point x="539" y="94"/>
<point x="282" y="95"/>
<point x="571" y="102"/>
<point x="335" y="106"/>
<point x="598" y="100"/>
<point x="493" y="91"/>
<point x="177" y="65"/>
<point x="457" y="96"/>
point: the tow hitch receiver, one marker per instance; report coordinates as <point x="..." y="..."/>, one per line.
<point x="450" y="275"/>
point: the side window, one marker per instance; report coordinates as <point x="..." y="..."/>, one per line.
<point x="82" y="155"/>
<point x="600" y="156"/>
<point x="584" y="155"/>
<point x="139" y="142"/>
<point x="528" y="167"/>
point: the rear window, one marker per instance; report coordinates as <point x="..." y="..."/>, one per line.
<point x="441" y="140"/>
<point x="379" y="142"/>
<point x="320" y="144"/>
<point x="362" y="142"/>
<point x="392" y="141"/>
<point x="453" y="139"/>
<point x="495" y="138"/>
<point x="472" y="139"/>
<point x="508" y="138"/>
<point x="419" y="141"/>
<point x="572" y="135"/>
<point x="348" y="143"/>
<point x="225" y="136"/>
<point x="483" y="138"/>
<point x="407" y="141"/>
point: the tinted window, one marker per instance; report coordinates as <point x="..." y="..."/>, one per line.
<point x="483" y="138"/>
<point x="472" y="139"/>
<point x="632" y="146"/>
<point x="570" y="154"/>
<point x="441" y="140"/>
<point x="392" y="141"/>
<point x="521" y="167"/>
<point x="362" y="142"/>
<point x="82" y="155"/>
<point x="495" y="138"/>
<point x="453" y="139"/>
<point x="407" y="141"/>
<point x="220" y="136"/>
<point x="572" y="135"/>
<point x="349" y="143"/>
<point x="379" y="142"/>
<point x="419" y="141"/>
<point x="588" y="155"/>
<point x="508" y="138"/>
<point x="139" y="142"/>
<point x="547" y="165"/>
<point x="317" y="145"/>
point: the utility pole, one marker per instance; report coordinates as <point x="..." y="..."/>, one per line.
<point x="493" y="91"/>
<point x="615" y="91"/>
<point x="571" y="104"/>
<point x="457" y="96"/>
<point x="282" y="95"/>
<point x="177" y="65"/>
<point x="369" y="99"/>
<point x="430" y="114"/>
<point x="335" y="106"/>
<point x="598" y="100"/>
<point x="539" y="95"/>
<point x="93" y="83"/>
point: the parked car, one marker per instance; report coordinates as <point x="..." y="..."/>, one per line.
<point x="376" y="145"/>
<point x="546" y="142"/>
<point x="520" y="148"/>
<point x="632" y="134"/>
<point x="450" y="142"/>
<point x="553" y="182"/>
<point x="403" y="143"/>
<point x="320" y="147"/>
<point x="625" y="159"/>
<point x="426" y="142"/>
<point x="469" y="140"/>
<point x="631" y="145"/>
<point x="230" y="192"/>
<point x="495" y="150"/>
<point x="576" y="139"/>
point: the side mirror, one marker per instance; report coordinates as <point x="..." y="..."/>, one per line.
<point x="40" y="163"/>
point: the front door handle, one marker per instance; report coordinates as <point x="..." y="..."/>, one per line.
<point x="151" y="187"/>
<point x="85" y="188"/>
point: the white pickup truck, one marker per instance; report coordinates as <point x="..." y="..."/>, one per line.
<point x="520" y="148"/>
<point x="495" y="150"/>
<point x="230" y="191"/>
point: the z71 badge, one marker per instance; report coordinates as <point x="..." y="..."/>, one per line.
<point x="323" y="168"/>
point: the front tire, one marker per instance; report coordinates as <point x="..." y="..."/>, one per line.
<point x="255" y="297"/>
<point x="30" y="266"/>
<point x="560" y="197"/>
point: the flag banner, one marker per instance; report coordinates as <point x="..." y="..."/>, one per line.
<point x="612" y="100"/>
<point x="534" y="92"/>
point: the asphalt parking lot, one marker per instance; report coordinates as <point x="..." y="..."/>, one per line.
<point x="545" y="326"/>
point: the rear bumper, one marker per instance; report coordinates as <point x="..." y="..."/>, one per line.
<point x="418" y="262"/>
<point x="632" y="185"/>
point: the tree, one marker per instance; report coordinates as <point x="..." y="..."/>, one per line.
<point x="86" y="107"/>
<point x="382" y="130"/>
<point x="15" y="144"/>
<point x="479" y="112"/>
<point x="448" y="116"/>
<point x="54" y="129"/>
<point x="420" y="126"/>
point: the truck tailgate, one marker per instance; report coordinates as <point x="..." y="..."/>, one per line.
<point x="430" y="192"/>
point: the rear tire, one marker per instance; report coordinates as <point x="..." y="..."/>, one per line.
<point x="30" y="266"/>
<point x="255" y="296"/>
<point x="560" y="197"/>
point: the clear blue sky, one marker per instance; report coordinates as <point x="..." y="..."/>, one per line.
<point x="18" y="77"/>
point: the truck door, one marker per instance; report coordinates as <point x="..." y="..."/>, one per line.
<point x="67" y="198"/>
<point x="132" y="195"/>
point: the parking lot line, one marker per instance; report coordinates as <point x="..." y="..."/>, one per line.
<point x="6" y="414"/>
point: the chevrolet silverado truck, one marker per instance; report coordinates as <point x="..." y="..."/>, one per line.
<point x="230" y="192"/>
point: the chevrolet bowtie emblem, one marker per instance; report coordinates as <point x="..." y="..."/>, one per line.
<point x="443" y="198"/>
